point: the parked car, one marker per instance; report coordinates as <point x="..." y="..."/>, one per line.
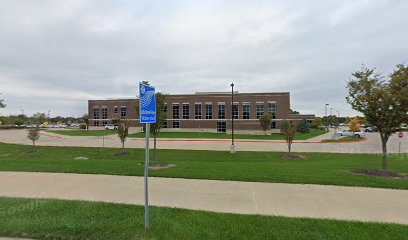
<point x="368" y="129"/>
<point x="349" y="133"/>
<point x="110" y="127"/>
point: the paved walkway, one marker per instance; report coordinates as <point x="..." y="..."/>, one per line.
<point x="293" y="200"/>
<point x="372" y="145"/>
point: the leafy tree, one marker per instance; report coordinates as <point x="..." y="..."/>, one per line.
<point x="293" y="111"/>
<point x="303" y="126"/>
<point x="265" y="120"/>
<point x="2" y="104"/>
<point x="34" y="134"/>
<point x="383" y="103"/>
<point x="288" y="130"/>
<point x="85" y="120"/>
<point x="317" y="122"/>
<point x="123" y="130"/>
<point x="354" y="125"/>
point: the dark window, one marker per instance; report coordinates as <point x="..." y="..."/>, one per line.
<point x="221" y="127"/>
<point x="123" y="111"/>
<point x="208" y="111"/>
<point x="176" y="111"/>
<point x="273" y="126"/>
<point x="186" y="111"/>
<point x="104" y="113"/>
<point x="116" y="109"/>
<point x="245" y="111"/>
<point x="259" y="109"/>
<point x="165" y="108"/>
<point x="221" y="111"/>
<point x="165" y="124"/>
<point x="197" y="111"/>
<point x="176" y="124"/>
<point x="96" y="113"/>
<point x="235" y="111"/>
<point x="96" y="123"/>
<point x="272" y="109"/>
<point x="104" y="122"/>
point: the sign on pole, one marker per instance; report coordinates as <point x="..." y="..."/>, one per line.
<point x="147" y="114"/>
<point x="400" y="135"/>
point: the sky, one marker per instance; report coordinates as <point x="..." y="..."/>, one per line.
<point x="55" y="55"/>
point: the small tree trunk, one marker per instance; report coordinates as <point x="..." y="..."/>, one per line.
<point x="33" y="143"/>
<point x="154" y="153"/>
<point x="123" y="144"/>
<point x="384" y="141"/>
<point x="289" y="146"/>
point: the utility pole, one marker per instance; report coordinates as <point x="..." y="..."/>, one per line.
<point x="325" y="113"/>
<point x="232" y="148"/>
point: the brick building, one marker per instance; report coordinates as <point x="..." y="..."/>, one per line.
<point x="203" y="111"/>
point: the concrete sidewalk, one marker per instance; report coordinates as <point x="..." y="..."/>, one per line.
<point x="293" y="200"/>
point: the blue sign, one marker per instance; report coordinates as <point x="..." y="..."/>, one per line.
<point x="147" y="104"/>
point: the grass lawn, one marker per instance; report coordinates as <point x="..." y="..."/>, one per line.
<point x="274" y="136"/>
<point x="317" y="168"/>
<point x="344" y="139"/>
<point x="58" y="219"/>
<point x="80" y="132"/>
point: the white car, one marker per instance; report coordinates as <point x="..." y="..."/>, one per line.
<point x="110" y="127"/>
<point x="349" y="133"/>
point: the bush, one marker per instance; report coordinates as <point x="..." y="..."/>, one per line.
<point x="303" y="126"/>
<point x="82" y="126"/>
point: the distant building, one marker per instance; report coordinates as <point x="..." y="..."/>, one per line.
<point x="203" y="111"/>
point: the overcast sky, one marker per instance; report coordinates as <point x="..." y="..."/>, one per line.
<point x="55" y="55"/>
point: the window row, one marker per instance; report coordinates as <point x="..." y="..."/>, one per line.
<point x="104" y="110"/>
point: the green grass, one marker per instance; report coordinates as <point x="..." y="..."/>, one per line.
<point x="79" y="132"/>
<point x="317" y="168"/>
<point x="273" y="136"/>
<point x="344" y="139"/>
<point x="60" y="219"/>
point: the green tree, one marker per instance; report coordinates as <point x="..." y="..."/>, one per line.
<point x="288" y="130"/>
<point x="265" y="120"/>
<point x="123" y="130"/>
<point x="383" y="102"/>
<point x="303" y="126"/>
<point x="317" y="122"/>
<point x="85" y="120"/>
<point x="34" y="134"/>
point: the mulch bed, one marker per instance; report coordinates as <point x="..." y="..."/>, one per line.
<point x="292" y="156"/>
<point x="117" y="154"/>
<point x="378" y="173"/>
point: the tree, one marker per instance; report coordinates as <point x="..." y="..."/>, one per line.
<point x="265" y="120"/>
<point x="288" y="130"/>
<point x="85" y="119"/>
<point x="293" y="111"/>
<point x="383" y="103"/>
<point x="34" y="134"/>
<point x="303" y="126"/>
<point x="354" y="125"/>
<point x="123" y="130"/>
<point x="317" y="122"/>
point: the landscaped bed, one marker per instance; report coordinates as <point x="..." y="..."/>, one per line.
<point x="60" y="219"/>
<point x="315" y="168"/>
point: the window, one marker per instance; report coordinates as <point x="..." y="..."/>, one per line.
<point x="259" y="109"/>
<point x="221" y="110"/>
<point x="186" y="111"/>
<point x="222" y="127"/>
<point x="104" y="113"/>
<point x="245" y="111"/>
<point x="165" y="108"/>
<point x="96" y="123"/>
<point x="235" y="111"/>
<point x="208" y="111"/>
<point x="197" y="111"/>
<point x="272" y="109"/>
<point x="96" y="113"/>
<point x="104" y="122"/>
<point x="176" y="124"/>
<point x="116" y="109"/>
<point x="123" y="111"/>
<point x="273" y="126"/>
<point x="165" y="124"/>
<point x="176" y="111"/>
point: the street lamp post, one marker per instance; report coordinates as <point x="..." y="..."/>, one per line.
<point x="232" y="148"/>
<point x="331" y="117"/>
<point x="325" y="113"/>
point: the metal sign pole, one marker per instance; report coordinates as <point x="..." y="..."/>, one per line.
<point x="399" y="146"/>
<point x="146" y="173"/>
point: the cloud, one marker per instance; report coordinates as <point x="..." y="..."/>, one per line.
<point x="56" y="55"/>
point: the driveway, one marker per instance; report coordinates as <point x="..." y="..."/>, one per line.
<point x="371" y="145"/>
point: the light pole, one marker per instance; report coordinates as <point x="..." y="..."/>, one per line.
<point x="331" y="117"/>
<point x="325" y="113"/>
<point x="232" y="148"/>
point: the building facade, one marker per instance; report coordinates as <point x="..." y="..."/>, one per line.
<point x="211" y="112"/>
